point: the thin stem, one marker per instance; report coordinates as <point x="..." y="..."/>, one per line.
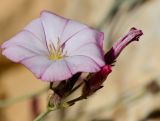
<point x="7" y="102"/>
<point x="42" y="116"/>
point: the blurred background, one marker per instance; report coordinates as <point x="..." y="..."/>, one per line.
<point x="131" y="92"/>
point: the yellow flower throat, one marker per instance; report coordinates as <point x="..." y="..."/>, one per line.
<point x="55" y="54"/>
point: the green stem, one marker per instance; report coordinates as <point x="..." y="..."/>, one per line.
<point x="42" y="116"/>
<point x="7" y="102"/>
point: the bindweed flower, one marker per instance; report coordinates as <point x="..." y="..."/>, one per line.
<point x="113" y="53"/>
<point x="55" y="48"/>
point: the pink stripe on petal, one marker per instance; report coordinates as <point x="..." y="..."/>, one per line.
<point x="92" y="51"/>
<point x="82" y="38"/>
<point x="53" y="26"/>
<point x="37" y="64"/>
<point x="36" y="28"/>
<point x="81" y="64"/>
<point x="16" y="53"/>
<point x="28" y="41"/>
<point x="71" y="29"/>
<point x="57" y="71"/>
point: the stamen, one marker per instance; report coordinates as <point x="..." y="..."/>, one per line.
<point x="55" y="54"/>
<point x="51" y="52"/>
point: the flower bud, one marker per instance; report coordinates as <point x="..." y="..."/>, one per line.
<point x="113" y="53"/>
<point x="96" y="80"/>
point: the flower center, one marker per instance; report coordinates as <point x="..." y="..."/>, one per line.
<point x="55" y="53"/>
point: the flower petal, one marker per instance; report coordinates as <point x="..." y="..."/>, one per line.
<point x="71" y="29"/>
<point x="53" y="26"/>
<point x="81" y="64"/>
<point x="36" y="28"/>
<point x="92" y="51"/>
<point x="37" y="64"/>
<point x="28" y="41"/>
<point x="22" y="46"/>
<point x="17" y="53"/>
<point x="57" y="71"/>
<point x="86" y="36"/>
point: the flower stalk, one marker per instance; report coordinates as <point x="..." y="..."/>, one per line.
<point x="43" y="115"/>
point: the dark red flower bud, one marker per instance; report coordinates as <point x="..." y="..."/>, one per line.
<point x="95" y="81"/>
<point x="113" y="53"/>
